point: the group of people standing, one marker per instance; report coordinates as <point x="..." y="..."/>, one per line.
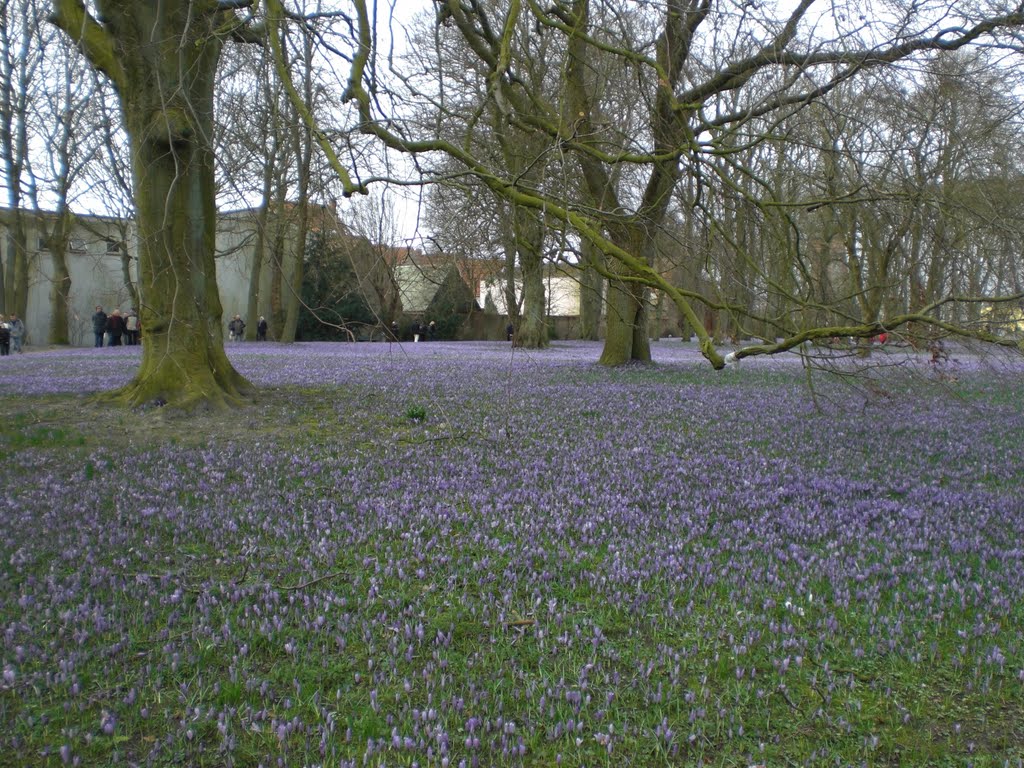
<point x="118" y="329"/>
<point x="12" y="332"/>
<point x="236" y="329"/>
<point x="424" y="331"/>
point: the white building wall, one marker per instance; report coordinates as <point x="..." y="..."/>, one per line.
<point x="236" y="240"/>
<point x="96" y="279"/>
<point x="236" y="251"/>
<point x="561" y="294"/>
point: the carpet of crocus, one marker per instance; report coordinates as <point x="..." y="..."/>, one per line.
<point x="464" y="555"/>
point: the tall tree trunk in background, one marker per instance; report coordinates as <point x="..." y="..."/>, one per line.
<point x="65" y="130"/>
<point x="626" y="336"/>
<point x="60" y="288"/>
<point x="591" y="291"/>
<point x="276" y="262"/>
<point x="126" y="271"/>
<point x="252" y="307"/>
<point x="521" y="155"/>
<point x="3" y="281"/>
<point x="529" y="238"/>
<point x="252" y="303"/>
<point x="17" y="71"/>
<point x="21" y="276"/>
<point x="297" y="245"/>
<point x="511" y="286"/>
<point x="16" y="256"/>
<point x="303" y="149"/>
<point x="293" y="296"/>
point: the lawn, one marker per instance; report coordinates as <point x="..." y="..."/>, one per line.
<point x="456" y="554"/>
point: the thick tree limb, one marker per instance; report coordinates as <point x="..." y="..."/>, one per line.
<point x="91" y="37"/>
<point x="275" y="12"/>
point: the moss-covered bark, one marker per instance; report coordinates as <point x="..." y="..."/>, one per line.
<point x="162" y="58"/>
<point x="533" y="328"/>
<point x="626" y="339"/>
<point x="529" y="238"/>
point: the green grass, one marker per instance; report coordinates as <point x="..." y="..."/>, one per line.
<point x="22" y="433"/>
<point x="395" y="646"/>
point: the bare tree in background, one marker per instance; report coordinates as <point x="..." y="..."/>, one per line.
<point x="20" y="80"/>
<point x="709" y="76"/>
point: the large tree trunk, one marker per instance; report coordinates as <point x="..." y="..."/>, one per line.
<point x="162" y="59"/>
<point x="533" y="328"/>
<point x="183" y="359"/>
<point x="627" y="338"/>
<point x="16" y="79"/>
<point x="169" y="72"/>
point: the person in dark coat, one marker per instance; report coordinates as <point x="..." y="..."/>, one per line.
<point x="5" y="337"/>
<point x="115" y="328"/>
<point x="99" y="325"/>
<point x="261" y="329"/>
<point x="236" y="328"/>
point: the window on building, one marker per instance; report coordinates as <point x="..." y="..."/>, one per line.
<point x="76" y="245"/>
<point x="113" y="246"/>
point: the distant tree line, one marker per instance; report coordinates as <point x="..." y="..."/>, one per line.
<point x="742" y="172"/>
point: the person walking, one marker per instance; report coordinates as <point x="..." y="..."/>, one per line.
<point x="261" y="329"/>
<point x="99" y="325"/>
<point x="17" y="332"/>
